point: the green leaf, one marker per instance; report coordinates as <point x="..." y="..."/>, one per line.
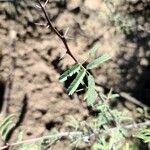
<point x="121" y="116"/>
<point x="20" y="135"/>
<point x="69" y="72"/>
<point x="113" y="96"/>
<point x="74" y="85"/>
<point x="101" y="145"/>
<point x="73" y="123"/>
<point x="144" y="134"/>
<point x="116" y="137"/>
<point x="7" y="131"/>
<point x="76" y="140"/>
<point x="6" y="126"/>
<point x="91" y="93"/>
<point x="94" y="49"/>
<point x="127" y="146"/>
<point x="29" y="147"/>
<point x="7" y="119"/>
<point x="98" y="61"/>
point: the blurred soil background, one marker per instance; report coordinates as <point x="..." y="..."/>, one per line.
<point x="30" y="59"/>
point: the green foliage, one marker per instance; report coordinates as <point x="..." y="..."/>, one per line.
<point x="143" y="113"/>
<point x="91" y="93"/>
<point x="101" y="144"/>
<point x="93" y="50"/>
<point x="107" y="129"/>
<point x="81" y="72"/>
<point x="107" y="138"/>
<point x="76" y="140"/>
<point x="98" y="61"/>
<point x="122" y="23"/>
<point x="122" y="117"/>
<point x="6" y="126"/>
<point x="113" y="141"/>
<point x="76" y="82"/>
<point x="113" y="96"/>
<point x="69" y="72"/>
<point x="33" y="146"/>
<point x="73" y="123"/>
<point x="50" y="141"/>
<point x="144" y="134"/>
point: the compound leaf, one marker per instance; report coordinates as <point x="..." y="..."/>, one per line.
<point x="7" y="131"/>
<point x="20" y="136"/>
<point x="7" y="119"/>
<point x="6" y="126"/>
<point x="144" y="134"/>
<point x="74" y="85"/>
<point x="93" y="50"/>
<point x="69" y="72"/>
<point x="98" y="61"/>
<point x="73" y="123"/>
<point x="91" y="93"/>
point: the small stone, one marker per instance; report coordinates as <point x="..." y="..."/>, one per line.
<point x="37" y="115"/>
<point x="144" y="62"/>
<point x="148" y="52"/>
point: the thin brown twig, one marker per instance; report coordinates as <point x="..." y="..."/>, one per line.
<point x="126" y="96"/>
<point x="131" y="99"/>
<point x="71" y="134"/>
<point x="115" y="122"/>
<point x="62" y="37"/>
<point x="59" y="135"/>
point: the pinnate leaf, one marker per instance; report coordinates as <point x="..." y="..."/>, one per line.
<point x="144" y="134"/>
<point x="6" y="126"/>
<point x="69" y="72"/>
<point x="98" y="61"/>
<point x="91" y="93"/>
<point x="74" y="85"/>
<point x="94" y="49"/>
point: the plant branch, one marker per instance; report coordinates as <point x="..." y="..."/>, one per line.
<point x="59" y="135"/>
<point x="131" y="99"/>
<point x="115" y="122"/>
<point x="71" y="134"/>
<point x="62" y="37"/>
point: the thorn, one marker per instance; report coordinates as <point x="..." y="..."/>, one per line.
<point x="69" y="38"/>
<point x="63" y="54"/>
<point x="39" y="7"/>
<point x="47" y="26"/>
<point x="65" y="34"/>
<point x="45" y="3"/>
<point x="40" y="24"/>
